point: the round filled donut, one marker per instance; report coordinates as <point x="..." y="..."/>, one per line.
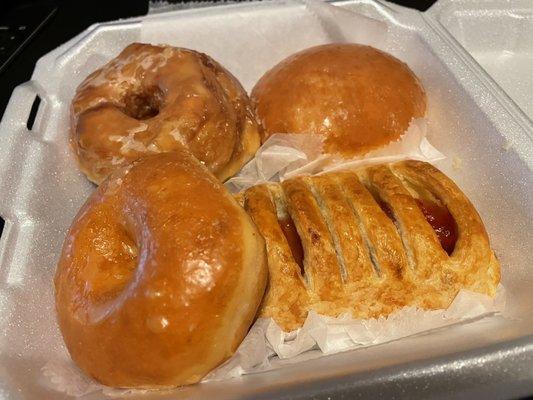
<point x="153" y="99"/>
<point x="160" y="276"/>
<point x="358" y="97"/>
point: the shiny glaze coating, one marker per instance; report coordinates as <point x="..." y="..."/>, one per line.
<point x="160" y="276"/>
<point x="152" y="99"/>
<point x="368" y="248"/>
<point x="358" y="97"/>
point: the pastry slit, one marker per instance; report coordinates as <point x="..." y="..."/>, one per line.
<point x="422" y="247"/>
<point x="282" y="215"/>
<point x="385" y="244"/>
<point x="364" y="236"/>
<point x="320" y="263"/>
<point x="259" y="203"/>
<point x="373" y="257"/>
<point x="424" y="196"/>
<point x="331" y="229"/>
<point x="396" y="222"/>
<point x="414" y="189"/>
<point x="408" y="250"/>
<point x="370" y="247"/>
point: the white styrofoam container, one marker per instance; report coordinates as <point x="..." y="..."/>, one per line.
<point x="471" y="119"/>
<point x="499" y="35"/>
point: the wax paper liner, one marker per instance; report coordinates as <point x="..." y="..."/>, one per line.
<point x="284" y="156"/>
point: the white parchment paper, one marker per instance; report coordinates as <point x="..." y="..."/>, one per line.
<point x="284" y="156"/>
<point x="267" y="347"/>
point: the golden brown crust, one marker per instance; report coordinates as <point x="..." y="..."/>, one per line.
<point x="320" y="262"/>
<point x="368" y="247"/>
<point x="472" y="265"/>
<point x="353" y="254"/>
<point x="286" y="289"/>
<point x="157" y="285"/>
<point x="382" y="237"/>
<point x="359" y="97"/>
<point x="152" y="99"/>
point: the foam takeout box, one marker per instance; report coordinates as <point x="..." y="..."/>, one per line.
<point x="474" y="58"/>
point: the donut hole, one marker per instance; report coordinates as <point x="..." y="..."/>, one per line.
<point x="108" y="253"/>
<point x="144" y="103"/>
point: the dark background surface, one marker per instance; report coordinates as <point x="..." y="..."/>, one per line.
<point x="30" y="29"/>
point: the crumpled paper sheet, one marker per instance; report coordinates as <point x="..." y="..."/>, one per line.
<point x="267" y="347"/>
<point x="284" y="156"/>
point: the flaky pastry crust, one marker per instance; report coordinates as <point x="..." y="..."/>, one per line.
<point x="368" y="247"/>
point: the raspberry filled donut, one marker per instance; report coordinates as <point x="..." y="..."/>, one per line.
<point x="153" y="99"/>
<point x="357" y="97"/>
<point x="160" y="276"/>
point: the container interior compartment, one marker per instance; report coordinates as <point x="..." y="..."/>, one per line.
<point x="499" y="35"/>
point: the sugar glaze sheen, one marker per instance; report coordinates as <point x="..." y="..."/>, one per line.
<point x="143" y="302"/>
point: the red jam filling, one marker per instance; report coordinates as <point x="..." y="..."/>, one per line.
<point x="295" y="244"/>
<point x="442" y="223"/>
<point x="386" y="209"/>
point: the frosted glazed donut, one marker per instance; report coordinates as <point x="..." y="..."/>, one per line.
<point x="153" y="99"/>
<point x="160" y="276"/>
<point x="358" y="97"/>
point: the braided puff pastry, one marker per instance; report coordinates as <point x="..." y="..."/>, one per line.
<point x="369" y="242"/>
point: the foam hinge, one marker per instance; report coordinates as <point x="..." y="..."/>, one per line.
<point x="25" y="111"/>
<point x="4" y="233"/>
<point x="22" y="125"/>
<point x="33" y="112"/>
<point x="2" y="223"/>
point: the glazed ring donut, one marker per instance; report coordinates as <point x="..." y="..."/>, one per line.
<point x="153" y="99"/>
<point x="160" y="276"/>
